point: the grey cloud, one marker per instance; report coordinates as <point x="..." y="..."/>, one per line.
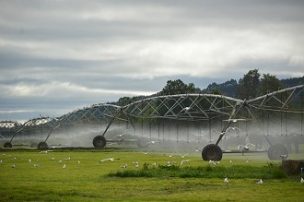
<point x="137" y="46"/>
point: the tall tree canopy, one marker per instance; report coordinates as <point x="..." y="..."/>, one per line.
<point x="269" y="83"/>
<point x="178" y="87"/>
<point x="249" y="85"/>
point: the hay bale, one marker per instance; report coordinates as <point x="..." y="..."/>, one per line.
<point x="292" y="167"/>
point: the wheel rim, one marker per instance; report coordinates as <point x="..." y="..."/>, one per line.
<point x="8" y="145"/>
<point x="99" y="142"/>
<point x="42" y="145"/>
<point x="212" y="152"/>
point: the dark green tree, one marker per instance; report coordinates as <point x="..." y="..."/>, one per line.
<point x="249" y="85"/>
<point x="178" y="87"/>
<point x="269" y="83"/>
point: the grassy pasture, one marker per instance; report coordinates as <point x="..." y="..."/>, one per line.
<point x="92" y="176"/>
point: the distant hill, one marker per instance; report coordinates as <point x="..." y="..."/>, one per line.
<point x="293" y="81"/>
<point x="228" y="88"/>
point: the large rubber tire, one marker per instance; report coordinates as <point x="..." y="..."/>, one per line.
<point x="275" y="152"/>
<point x="99" y="142"/>
<point x="42" y="146"/>
<point x="7" y="145"/>
<point x="212" y="152"/>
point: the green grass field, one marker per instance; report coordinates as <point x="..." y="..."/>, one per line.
<point x="92" y="176"/>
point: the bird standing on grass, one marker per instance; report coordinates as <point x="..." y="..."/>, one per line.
<point x="64" y="166"/>
<point x="14" y="166"/>
<point x="124" y="165"/>
<point x="302" y="180"/>
<point x="260" y="181"/>
<point x="226" y="181"/>
<point x="212" y="163"/>
<point x="136" y="164"/>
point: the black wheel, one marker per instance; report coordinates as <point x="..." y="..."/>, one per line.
<point x="141" y="143"/>
<point x="99" y="142"/>
<point x="8" y="145"/>
<point x="276" y="151"/>
<point x="42" y="146"/>
<point x="212" y="152"/>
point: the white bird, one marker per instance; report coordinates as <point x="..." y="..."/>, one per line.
<point x="30" y="160"/>
<point x="107" y="159"/>
<point x="60" y="161"/>
<point x="136" y="164"/>
<point x="212" y="163"/>
<point x="124" y="165"/>
<point x="78" y="162"/>
<point x="226" y="180"/>
<point x="260" y="181"/>
<point x="14" y="166"/>
<point x="64" y="166"/>
<point x="302" y="180"/>
<point x="230" y="161"/>
<point x="184" y="162"/>
<point x="154" y="164"/>
<point x="36" y="165"/>
<point x="183" y="156"/>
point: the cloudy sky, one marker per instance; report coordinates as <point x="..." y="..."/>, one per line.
<point x="56" y="56"/>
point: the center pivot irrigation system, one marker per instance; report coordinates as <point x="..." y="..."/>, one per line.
<point x="182" y="107"/>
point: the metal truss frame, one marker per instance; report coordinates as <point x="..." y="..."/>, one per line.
<point x="189" y="107"/>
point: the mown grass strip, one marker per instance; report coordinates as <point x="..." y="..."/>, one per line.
<point x="270" y="171"/>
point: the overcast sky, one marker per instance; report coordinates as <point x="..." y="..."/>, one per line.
<point x="56" y="56"/>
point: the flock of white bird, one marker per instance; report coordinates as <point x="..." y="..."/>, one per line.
<point x="136" y="164"/>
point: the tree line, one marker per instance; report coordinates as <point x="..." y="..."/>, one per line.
<point x="251" y="85"/>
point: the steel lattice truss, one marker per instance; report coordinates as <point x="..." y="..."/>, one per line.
<point x="289" y="100"/>
<point x="189" y="107"/>
<point x="31" y="125"/>
<point x="8" y="124"/>
<point x="94" y="114"/>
